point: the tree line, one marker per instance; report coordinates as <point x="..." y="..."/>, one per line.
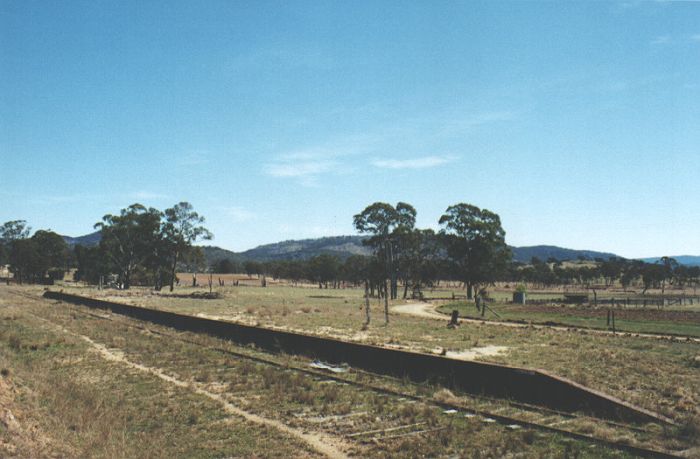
<point x="146" y="246"/>
<point x="660" y="275"/>
<point x="142" y="245"/>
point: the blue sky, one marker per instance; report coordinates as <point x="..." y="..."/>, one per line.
<point x="577" y="122"/>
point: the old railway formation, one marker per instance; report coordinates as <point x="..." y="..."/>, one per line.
<point x="501" y="381"/>
<point x="511" y="413"/>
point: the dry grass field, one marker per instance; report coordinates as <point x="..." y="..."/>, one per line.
<point x="81" y="383"/>
<point x="659" y="374"/>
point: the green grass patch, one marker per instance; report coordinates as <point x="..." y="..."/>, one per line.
<point x="565" y="315"/>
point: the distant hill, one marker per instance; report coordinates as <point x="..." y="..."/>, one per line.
<point x="341" y="246"/>
<point x="88" y="240"/>
<point x="543" y="252"/>
<point x="345" y="246"/>
<point x="213" y="254"/>
<point x="688" y="260"/>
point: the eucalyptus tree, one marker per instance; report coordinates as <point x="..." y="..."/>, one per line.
<point x="128" y="239"/>
<point x="53" y="251"/>
<point x="180" y="230"/>
<point x="92" y="264"/>
<point x="653" y="275"/>
<point x="386" y="224"/>
<point x="323" y="269"/>
<point x="388" y="227"/>
<point x="25" y="260"/>
<point x="11" y="233"/>
<point x="694" y="277"/>
<point x="14" y="230"/>
<point x="670" y="265"/>
<point x="354" y="269"/>
<point x="475" y="242"/>
<point x="421" y="256"/>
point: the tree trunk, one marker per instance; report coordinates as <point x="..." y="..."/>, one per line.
<point x="470" y="291"/>
<point x="367" y="302"/>
<point x="386" y="304"/>
<point x="172" y="271"/>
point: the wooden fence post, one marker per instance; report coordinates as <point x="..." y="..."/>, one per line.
<point x="613" y="320"/>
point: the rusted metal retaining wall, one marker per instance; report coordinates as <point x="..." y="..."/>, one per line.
<point x="524" y="385"/>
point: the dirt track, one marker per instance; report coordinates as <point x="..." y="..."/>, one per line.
<point x="427" y="311"/>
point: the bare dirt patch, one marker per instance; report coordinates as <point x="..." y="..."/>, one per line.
<point x="477" y="352"/>
<point x="419" y="309"/>
<point x="322" y="443"/>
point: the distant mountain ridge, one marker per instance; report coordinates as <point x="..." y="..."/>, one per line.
<point x="341" y="246"/>
<point x="87" y="240"/>
<point x="688" y="260"/>
<point x="544" y="252"/>
<point x="345" y="246"/>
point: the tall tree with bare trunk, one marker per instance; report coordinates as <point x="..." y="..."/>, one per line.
<point x="181" y="229"/>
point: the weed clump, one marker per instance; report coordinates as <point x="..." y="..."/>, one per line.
<point x="15" y="342"/>
<point x="690" y="428"/>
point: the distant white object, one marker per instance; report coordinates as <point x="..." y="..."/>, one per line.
<point x="450" y="411"/>
<point x="325" y="366"/>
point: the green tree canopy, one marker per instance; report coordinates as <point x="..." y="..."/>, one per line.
<point x="475" y="242"/>
<point x="53" y="251"/>
<point x="182" y="228"/>
<point x="128" y="239"/>
<point x="389" y="228"/>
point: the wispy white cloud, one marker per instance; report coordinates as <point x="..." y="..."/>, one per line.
<point x="456" y="125"/>
<point x="237" y="214"/>
<point x="424" y="162"/>
<point x="147" y="195"/>
<point x="661" y="40"/>
<point x="55" y="199"/>
<point x="192" y="160"/>
<point x="676" y="40"/>
<point x="344" y="156"/>
<point x="630" y="5"/>
<point x="307" y="165"/>
<point x="302" y="168"/>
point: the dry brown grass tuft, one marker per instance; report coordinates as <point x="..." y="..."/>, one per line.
<point x="445" y="396"/>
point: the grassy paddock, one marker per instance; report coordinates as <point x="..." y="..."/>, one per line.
<point x="69" y="402"/>
<point x="661" y="375"/>
<point x="85" y="406"/>
<point x="650" y="320"/>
